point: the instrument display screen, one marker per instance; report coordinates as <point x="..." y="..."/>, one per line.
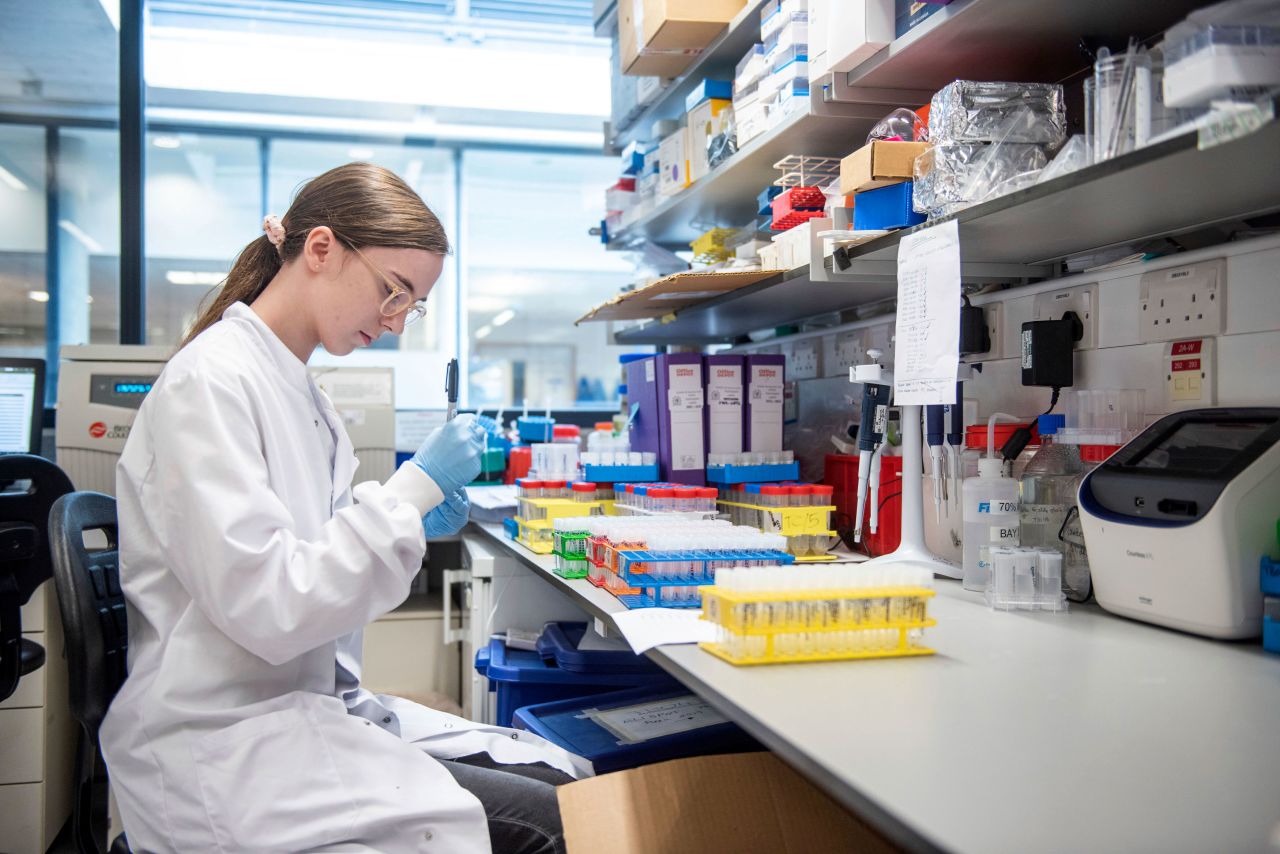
<point x="1201" y="447"/>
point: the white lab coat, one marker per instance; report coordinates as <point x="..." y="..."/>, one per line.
<point x="249" y="573"/>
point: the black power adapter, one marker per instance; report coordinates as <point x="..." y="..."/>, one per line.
<point x="1047" y="350"/>
<point x="974" y="337"/>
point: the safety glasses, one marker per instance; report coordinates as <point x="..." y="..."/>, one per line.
<point x="398" y="299"/>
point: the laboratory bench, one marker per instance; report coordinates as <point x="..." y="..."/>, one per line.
<point x="1025" y="732"/>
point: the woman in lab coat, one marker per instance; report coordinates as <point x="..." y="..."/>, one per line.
<point x="250" y="565"/>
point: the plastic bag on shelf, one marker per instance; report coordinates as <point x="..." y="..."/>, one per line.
<point x="951" y="176"/>
<point x="1076" y="154"/>
<point x="724" y="143"/>
<point x="900" y="125"/>
<point x="977" y="111"/>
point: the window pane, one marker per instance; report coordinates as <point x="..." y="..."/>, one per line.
<point x="23" y="290"/>
<point x="59" y="79"/>
<point x="421" y="353"/>
<point x="89" y="235"/>
<point x="204" y="203"/>
<point x="530" y="270"/>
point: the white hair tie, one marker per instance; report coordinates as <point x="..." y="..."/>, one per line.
<point x="274" y="230"/>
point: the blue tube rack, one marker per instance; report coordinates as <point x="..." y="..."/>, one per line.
<point x="620" y="474"/>
<point x="754" y="474"/>
<point x="651" y="588"/>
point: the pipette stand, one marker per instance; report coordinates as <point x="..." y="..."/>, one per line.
<point x="912" y="551"/>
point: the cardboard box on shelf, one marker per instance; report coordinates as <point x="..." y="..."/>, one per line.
<point x="879" y="164"/>
<point x="662" y="37"/>
<point x="745" y="803"/>
<point x="673" y="163"/>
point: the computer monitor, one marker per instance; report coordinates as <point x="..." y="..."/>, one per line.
<point x="21" y="405"/>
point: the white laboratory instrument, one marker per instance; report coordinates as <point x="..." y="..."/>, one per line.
<point x="1176" y="521"/>
<point x="365" y="397"/>
<point x="100" y="387"/>
<point x="497" y="592"/>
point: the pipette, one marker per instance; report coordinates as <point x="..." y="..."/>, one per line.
<point x="933" y="421"/>
<point x="875" y="488"/>
<point x="955" y="436"/>
<point x="874" y="419"/>
<point x="451" y="389"/>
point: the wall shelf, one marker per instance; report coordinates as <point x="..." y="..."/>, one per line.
<point x="1163" y="190"/>
<point x="978" y="39"/>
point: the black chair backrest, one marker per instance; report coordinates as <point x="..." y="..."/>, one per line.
<point x="29" y="486"/>
<point x="91" y="603"/>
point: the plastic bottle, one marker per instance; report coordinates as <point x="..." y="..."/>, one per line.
<point x="1047" y="489"/>
<point x="1077" y="581"/>
<point x="990" y="513"/>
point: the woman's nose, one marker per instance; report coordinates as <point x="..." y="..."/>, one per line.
<point x="395" y="323"/>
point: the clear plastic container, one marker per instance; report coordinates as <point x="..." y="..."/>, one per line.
<point x="773" y="496"/>
<point x="555" y="489"/>
<point x="1122" y="108"/>
<point x="1220" y="61"/>
<point x="989" y="508"/>
<point x="1047" y="490"/>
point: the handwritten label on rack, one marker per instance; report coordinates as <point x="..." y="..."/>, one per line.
<point x="927" y="347"/>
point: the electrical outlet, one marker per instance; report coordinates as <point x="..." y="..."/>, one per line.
<point x="1184" y="302"/>
<point x="1083" y="300"/>
<point x="849" y="351"/>
<point x="802" y="361"/>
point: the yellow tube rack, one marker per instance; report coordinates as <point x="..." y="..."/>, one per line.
<point x="776" y="627"/>
<point x="537" y="534"/>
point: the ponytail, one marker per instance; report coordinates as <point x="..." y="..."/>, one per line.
<point x="254" y="267"/>
<point x="364" y="205"/>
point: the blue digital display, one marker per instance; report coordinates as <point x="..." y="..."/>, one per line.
<point x="133" y="388"/>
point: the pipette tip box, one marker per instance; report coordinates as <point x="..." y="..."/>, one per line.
<point x="769" y="473"/>
<point x="620" y="474"/>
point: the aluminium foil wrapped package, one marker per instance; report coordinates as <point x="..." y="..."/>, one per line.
<point x="953" y="175"/>
<point x="978" y="111"/>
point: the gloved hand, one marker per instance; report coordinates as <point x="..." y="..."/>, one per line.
<point x="451" y="455"/>
<point x="448" y="518"/>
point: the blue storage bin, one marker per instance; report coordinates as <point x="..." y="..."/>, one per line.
<point x="564" y="723"/>
<point x="885" y="207"/>
<point x="521" y="678"/>
<point x="559" y="645"/>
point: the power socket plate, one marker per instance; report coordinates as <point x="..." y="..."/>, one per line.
<point x="993" y="314"/>
<point x="802" y="361"/>
<point x="1083" y="300"/>
<point x="1182" y="302"/>
<point x="849" y="351"/>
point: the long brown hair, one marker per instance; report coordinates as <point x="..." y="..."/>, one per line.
<point x="364" y="205"/>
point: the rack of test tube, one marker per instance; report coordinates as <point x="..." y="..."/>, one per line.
<point x="800" y="512"/>
<point x="664" y="499"/>
<point x="648" y="563"/>
<point x="754" y="467"/>
<point x="540" y="502"/>
<point x="569" y="545"/>
<point x="828" y="613"/>
<point x="1024" y="579"/>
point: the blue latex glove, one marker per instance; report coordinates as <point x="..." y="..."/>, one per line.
<point x="451" y="455"/>
<point x="448" y="518"/>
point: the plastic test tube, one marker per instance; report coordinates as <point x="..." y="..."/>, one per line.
<point x="774" y="496"/>
<point x="583" y="492"/>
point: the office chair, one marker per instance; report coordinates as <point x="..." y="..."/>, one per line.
<point x="29" y="485"/>
<point x="97" y="642"/>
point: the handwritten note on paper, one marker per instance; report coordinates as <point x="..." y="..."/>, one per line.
<point x="641" y="722"/>
<point x="927" y="348"/>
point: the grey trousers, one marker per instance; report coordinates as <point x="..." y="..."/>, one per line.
<point x="519" y="801"/>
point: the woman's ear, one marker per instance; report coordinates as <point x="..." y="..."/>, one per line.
<point x="318" y="251"/>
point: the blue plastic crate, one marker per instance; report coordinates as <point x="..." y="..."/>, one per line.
<point x="559" y="644"/>
<point x="620" y="474"/>
<point x="885" y="207"/>
<point x="569" y="724"/>
<point x="521" y="678"/>
<point x="754" y="474"/>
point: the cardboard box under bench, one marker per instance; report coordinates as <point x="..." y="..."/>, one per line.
<point x="742" y="803"/>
